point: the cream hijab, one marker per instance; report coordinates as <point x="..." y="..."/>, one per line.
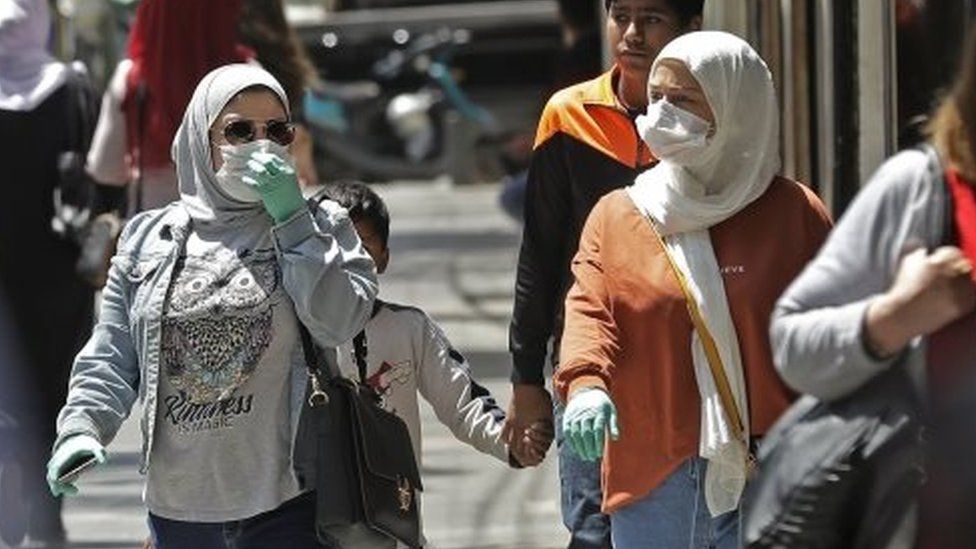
<point x="684" y="201"/>
<point x="28" y="73"/>
<point x="743" y="155"/>
<point x="200" y="193"/>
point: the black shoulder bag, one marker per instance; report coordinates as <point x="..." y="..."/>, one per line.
<point x="842" y="473"/>
<point x="366" y="475"/>
<point x="72" y="195"/>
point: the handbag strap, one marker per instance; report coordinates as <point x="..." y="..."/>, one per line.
<point x="314" y="360"/>
<point x="359" y="351"/>
<point x="732" y="412"/>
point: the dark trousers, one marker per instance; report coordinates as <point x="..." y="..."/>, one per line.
<point x="290" y="526"/>
<point x="581" y="496"/>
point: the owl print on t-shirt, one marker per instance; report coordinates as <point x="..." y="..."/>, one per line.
<point x="218" y="323"/>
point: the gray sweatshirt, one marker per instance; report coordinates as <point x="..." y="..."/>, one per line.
<point x="816" y="330"/>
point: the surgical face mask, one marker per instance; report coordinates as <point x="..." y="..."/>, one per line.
<point x="230" y="174"/>
<point x="673" y="134"/>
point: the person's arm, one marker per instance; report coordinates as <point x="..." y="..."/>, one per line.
<point x="538" y="287"/>
<point x="459" y="402"/>
<point x="590" y="339"/>
<point x="589" y="348"/>
<point x="327" y="272"/>
<point x="105" y="377"/>
<point x="817" y="332"/>
<point x="106" y="161"/>
<point x="541" y="262"/>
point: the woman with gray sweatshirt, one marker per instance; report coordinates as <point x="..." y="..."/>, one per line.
<point x="200" y="321"/>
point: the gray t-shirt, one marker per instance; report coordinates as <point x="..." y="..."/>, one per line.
<point x="229" y="338"/>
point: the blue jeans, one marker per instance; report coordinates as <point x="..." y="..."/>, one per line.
<point x="291" y="525"/>
<point x="675" y="516"/>
<point x="581" y="495"/>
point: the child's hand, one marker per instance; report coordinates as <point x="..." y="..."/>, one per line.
<point x="529" y="449"/>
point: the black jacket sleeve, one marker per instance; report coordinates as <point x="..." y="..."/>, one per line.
<point x="542" y="262"/>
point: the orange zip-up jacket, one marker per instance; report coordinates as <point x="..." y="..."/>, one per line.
<point x="628" y="330"/>
<point x="586" y="146"/>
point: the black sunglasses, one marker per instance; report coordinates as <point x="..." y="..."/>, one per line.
<point x="281" y="132"/>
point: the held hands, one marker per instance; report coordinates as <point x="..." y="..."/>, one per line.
<point x="276" y="182"/>
<point x="589" y="414"/>
<point x="530" y="450"/>
<point x="71" y="452"/>
<point x="528" y="428"/>
<point x="929" y="292"/>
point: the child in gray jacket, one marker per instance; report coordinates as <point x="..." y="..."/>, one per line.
<point x="407" y="353"/>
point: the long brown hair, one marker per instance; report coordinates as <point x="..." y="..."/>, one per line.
<point x="263" y="27"/>
<point x="953" y="125"/>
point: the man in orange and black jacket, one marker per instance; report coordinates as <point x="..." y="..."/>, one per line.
<point x="586" y="146"/>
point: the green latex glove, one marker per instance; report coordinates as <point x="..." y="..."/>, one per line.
<point x="72" y="450"/>
<point x="276" y="182"/>
<point x="589" y="414"/>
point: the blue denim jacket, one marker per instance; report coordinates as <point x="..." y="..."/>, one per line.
<point x="325" y="270"/>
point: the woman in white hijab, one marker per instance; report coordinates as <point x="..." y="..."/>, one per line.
<point x="666" y="343"/>
<point x="41" y="101"/>
<point x="201" y="317"/>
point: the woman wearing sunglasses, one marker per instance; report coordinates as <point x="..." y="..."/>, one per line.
<point x="200" y="320"/>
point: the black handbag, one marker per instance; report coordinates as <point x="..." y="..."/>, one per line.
<point x="839" y="474"/>
<point x="71" y="197"/>
<point x="366" y="474"/>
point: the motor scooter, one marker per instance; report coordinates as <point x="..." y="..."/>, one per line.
<point x="411" y="121"/>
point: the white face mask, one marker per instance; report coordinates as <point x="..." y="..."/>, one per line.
<point x="673" y="134"/>
<point x="235" y="167"/>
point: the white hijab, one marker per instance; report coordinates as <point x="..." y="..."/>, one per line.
<point x="28" y="73"/>
<point x="199" y="191"/>
<point x="735" y="169"/>
<point x="742" y="157"/>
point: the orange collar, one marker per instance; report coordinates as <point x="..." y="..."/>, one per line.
<point x="599" y="91"/>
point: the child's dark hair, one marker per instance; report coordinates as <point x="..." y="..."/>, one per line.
<point x="686" y="9"/>
<point x="363" y="204"/>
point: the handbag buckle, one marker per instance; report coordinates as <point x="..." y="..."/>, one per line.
<point x="404" y="494"/>
<point x="318" y="396"/>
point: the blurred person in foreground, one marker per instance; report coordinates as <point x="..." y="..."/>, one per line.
<point x="586" y="145"/>
<point x="200" y="321"/>
<point x="675" y="279"/>
<point x="173" y="43"/>
<point x="43" y="107"/>
<point x="894" y="288"/>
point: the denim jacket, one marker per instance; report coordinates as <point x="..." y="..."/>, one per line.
<point x="325" y="271"/>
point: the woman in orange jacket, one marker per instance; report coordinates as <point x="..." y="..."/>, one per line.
<point x="666" y="343"/>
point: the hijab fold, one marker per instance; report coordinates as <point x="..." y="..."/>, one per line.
<point x="684" y="201"/>
<point x="28" y="73"/>
<point x="200" y="193"/>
